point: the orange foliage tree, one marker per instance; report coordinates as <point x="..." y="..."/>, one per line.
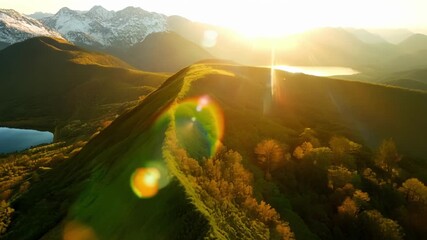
<point x="270" y="155"/>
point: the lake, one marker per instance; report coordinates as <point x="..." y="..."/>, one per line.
<point x="12" y="139"/>
<point x="321" y="71"/>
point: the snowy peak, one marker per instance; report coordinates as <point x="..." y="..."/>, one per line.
<point x="133" y="11"/>
<point x="15" y="27"/>
<point x="64" y="11"/>
<point x="102" y="28"/>
<point x="100" y="13"/>
<point x="40" y="15"/>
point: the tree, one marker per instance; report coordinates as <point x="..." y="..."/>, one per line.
<point x="338" y="176"/>
<point x="387" y="156"/>
<point x="309" y="135"/>
<point x="302" y="150"/>
<point x="379" y="227"/>
<point x="348" y="207"/>
<point x="342" y="145"/>
<point x="414" y="190"/>
<point x="270" y="155"/>
<point x="5" y="216"/>
<point x="361" y="198"/>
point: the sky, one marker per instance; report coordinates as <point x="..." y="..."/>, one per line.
<point x="262" y="16"/>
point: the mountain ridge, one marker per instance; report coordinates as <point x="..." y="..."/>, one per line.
<point x="100" y="27"/>
<point x="16" y="27"/>
<point x="78" y="81"/>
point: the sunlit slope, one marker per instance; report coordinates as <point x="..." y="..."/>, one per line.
<point x="94" y="189"/>
<point x="49" y="79"/>
<point x="366" y="112"/>
<point x="93" y="192"/>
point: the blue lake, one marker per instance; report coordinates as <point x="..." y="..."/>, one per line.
<point x="12" y="139"/>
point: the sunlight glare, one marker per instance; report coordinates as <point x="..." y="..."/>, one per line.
<point x="209" y="38"/>
<point x="203" y="101"/>
<point x="76" y="230"/>
<point x="145" y="182"/>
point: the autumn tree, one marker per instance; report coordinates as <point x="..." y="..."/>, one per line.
<point x="414" y="190"/>
<point x="5" y="216"/>
<point x="225" y="186"/>
<point x="269" y="155"/>
<point x="338" y="176"/>
<point x="387" y="156"/>
<point x="348" y="207"/>
<point x="379" y="227"/>
<point x="302" y="150"/>
<point x="309" y="135"/>
<point x="342" y="145"/>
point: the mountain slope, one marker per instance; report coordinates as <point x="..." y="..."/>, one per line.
<point x="165" y="52"/>
<point x="40" y="15"/>
<point x="365" y="36"/>
<point x="414" y="43"/>
<point x="15" y="27"/>
<point x="62" y="81"/>
<point x="412" y="79"/>
<point x="394" y="36"/>
<point x="92" y="193"/>
<point x="408" y="83"/>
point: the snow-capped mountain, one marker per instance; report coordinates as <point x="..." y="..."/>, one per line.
<point x="40" y="15"/>
<point x="102" y="28"/>
<point x="15" y="27"/>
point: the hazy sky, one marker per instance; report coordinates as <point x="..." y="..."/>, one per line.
<point x="262" y="15"/>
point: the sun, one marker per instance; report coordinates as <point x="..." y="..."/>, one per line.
<point x="261" y="18"/>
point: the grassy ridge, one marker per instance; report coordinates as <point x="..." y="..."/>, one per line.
<point x="96" y="182"/>
<point x="61" y="81"/>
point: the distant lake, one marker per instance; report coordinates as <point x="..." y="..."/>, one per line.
<point x="318" y="71"/>
<point x="12" y="139"/>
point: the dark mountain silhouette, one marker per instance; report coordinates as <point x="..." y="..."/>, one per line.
<point x="165" y="52"/>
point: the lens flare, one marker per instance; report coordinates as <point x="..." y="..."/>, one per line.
<point x="145" y="182"/>
<point x="209" y="38"/>
<point x="199" y="126"/>
<point x="76" y="230"/>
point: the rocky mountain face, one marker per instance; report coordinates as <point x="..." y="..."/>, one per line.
<point x="15" y="27"/>
<point x="99" y="27"/>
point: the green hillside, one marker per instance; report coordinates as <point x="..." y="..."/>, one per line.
<point x="198" y="132"/>
<point x="415" y="79"/>
<point x="45" y="80"/>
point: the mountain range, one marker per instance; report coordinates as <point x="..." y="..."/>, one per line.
<point x="102" y="28"/>
<point x="116" y="32"/>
